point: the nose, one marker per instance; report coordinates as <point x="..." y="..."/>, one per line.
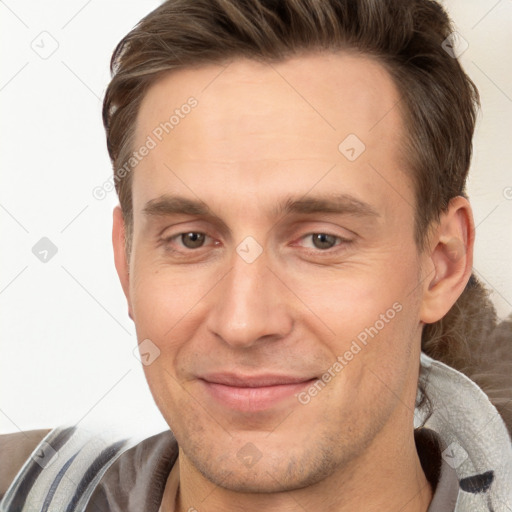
<point x="250" y="305"/>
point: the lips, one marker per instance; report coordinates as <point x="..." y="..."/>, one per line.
<point x="252" y="393"/>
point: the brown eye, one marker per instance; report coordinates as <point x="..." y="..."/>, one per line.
<point x="323" y="240"/>
<point x="192" y="240"/>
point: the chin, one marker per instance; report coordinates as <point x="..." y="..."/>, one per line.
<point x="271" y="470"/>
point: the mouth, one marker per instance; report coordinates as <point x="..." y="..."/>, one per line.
<point x="253" y="393"/>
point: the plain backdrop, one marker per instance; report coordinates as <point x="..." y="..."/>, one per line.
<point x="67" y="344"/>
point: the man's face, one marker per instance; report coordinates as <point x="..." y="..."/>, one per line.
<point x="301" y="266"/>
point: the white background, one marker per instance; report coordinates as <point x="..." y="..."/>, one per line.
<point x="66" y="340"/>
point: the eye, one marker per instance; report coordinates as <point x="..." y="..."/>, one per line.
<point x="322" y="243"/>
<point x="323" y="240"/>
<point x="188" y="245"/>
<point x="192" y="240"/>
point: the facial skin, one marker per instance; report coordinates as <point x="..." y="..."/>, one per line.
<point x="261" y="136"/>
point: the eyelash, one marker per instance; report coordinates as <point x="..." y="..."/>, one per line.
<point x="340" y="242"/>
<point x="182" y="251"/>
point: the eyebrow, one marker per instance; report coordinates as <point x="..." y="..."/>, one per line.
<point x="337" y="204"/>
<point x="170" y="205"/>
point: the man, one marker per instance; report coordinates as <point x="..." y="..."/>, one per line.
<point x="294" y="242"/>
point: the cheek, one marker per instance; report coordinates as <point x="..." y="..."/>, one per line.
<point x="367" y="316"/>
<point x="169" y="307"/>
<point x="160" y="298"/>
<point x="347" y="302"/>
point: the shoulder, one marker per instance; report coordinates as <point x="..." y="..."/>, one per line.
<point x="110" y="463"/>
<point x="471" y="339"/>
<point x="15" y="449"/>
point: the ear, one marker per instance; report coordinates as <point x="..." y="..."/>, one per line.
<point x="120" y="257"/>
<point x="449" y="260"/>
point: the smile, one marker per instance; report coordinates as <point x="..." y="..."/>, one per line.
<point x="253" y="394"/>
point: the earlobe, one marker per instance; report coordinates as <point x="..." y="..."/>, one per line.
<point x="451" y="257"/>
<point x="120" y="258"/>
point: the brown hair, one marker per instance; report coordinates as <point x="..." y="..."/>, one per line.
<point x="438" y="100"/>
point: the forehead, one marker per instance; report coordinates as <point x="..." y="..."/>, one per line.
<point x="255" y="121"/>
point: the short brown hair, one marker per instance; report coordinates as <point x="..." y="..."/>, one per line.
<point x="408" y="37"/>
